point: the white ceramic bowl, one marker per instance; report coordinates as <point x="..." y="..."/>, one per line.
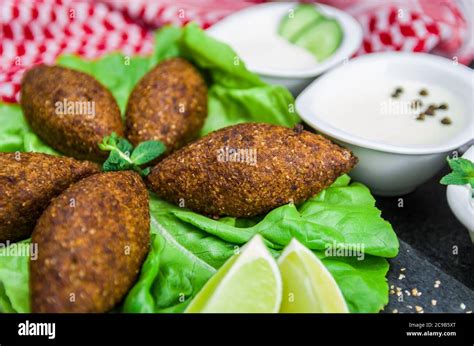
<point x="460" y="200"/>
<point x="393" y="170"/>
<point x="264" y="20"/>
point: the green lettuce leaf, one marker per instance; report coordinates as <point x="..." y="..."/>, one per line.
<point x="190" y="247"/>
<point x="15" y="134"/>
<point x="14" y="273"/>
<point x="362" y="282"/>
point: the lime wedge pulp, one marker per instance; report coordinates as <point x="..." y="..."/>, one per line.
<point x="308" y="287"/>
<point x="249" y="282"/>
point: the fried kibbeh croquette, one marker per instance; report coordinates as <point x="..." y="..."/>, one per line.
<point x="28" y="182"/>
<point x="169" y="104"/>
<point x="92" y="240"/>
<point x="287" y="165"/>
<point x="70" y="110"/>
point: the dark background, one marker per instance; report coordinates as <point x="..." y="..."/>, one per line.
<point x="434" y="248"/>
<point x="427" y="224"/>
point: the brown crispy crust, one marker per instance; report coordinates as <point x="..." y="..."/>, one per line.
<point x="94" y="250"/>
<point x="75" y="135"/>
<point x="28" y="181"/>
<point x="169" y="104"/>
<point x="292" y="165"/>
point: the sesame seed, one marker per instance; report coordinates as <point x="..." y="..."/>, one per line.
<point x="418" y="308"/>
<point x="463" y="306"/>
<point x="395" y="311"/>
<point x="433" y="302"/>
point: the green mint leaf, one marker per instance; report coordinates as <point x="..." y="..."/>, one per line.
<point x="454" y="179"/>
<point x="147" y="151"/>
<point x="123" y="157"/>
<point x="106" y="144"/>
<point x="119" y="157"/>
<point x="109" y="142"/>
<point x="463" y="173"/>
<point x="124" y="146"/>
<point x="462" y="165"/>
<point x="113" y="141"/>
<point x="116" y="162"/>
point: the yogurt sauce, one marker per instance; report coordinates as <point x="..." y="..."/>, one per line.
<point x="369" y="111"/>
<point x="255" y="39"/>
<point x="272" y="51"/>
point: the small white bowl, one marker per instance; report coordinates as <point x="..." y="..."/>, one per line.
<point x="393" y="170"/>
<point x="259" y="22"/>
<point x="460" y="200"/>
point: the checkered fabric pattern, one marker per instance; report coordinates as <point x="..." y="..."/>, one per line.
<point x="37" y="32"/>
<point x="394" y="30"/>
<point x="34" y="32"/>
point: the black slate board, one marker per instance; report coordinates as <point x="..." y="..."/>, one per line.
<point x="434" y="245"/>
<point x="417" y="272"/>
<point x="426" y="222"/>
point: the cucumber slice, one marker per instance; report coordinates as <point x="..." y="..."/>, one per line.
<point x="294" y="23"/>
<point x="321" y="39"/>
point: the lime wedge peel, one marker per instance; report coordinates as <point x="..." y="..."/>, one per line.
<point x="308" y="287"/>
<point x="249" y="282"/>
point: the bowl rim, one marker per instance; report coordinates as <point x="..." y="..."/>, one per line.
<point x="353" y="36"/>
<point x="456" y="71"/>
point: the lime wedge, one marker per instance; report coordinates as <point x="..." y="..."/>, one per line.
<point x="307" y="285"/>
<point x="248" y="282"/>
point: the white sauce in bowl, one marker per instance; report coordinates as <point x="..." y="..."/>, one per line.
<point x="268" y="50"/>
<point x="368" y="111"/>
<point x="254" y="37"/>
<point x="253" y="34"/>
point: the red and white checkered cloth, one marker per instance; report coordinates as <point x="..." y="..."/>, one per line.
<point x="33" y="32"/>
